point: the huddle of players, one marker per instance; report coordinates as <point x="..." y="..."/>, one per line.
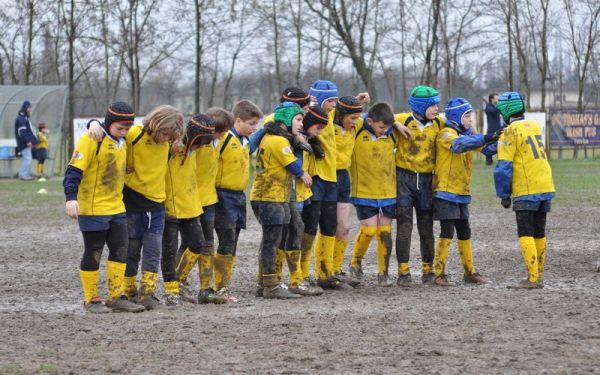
<point x="136" y="188"/>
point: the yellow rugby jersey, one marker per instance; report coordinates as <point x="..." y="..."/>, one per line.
<point x="182" y="187"/>
<point x="326" y="167"/>
<point x="101" y="188"/>
<point x="267" y="119"/>
<point x="207" y="157"/>
<point x="304" y="192"/>
<point x="452" y="171"/>
<point x="233" y="168"/>
<point x="418" y="154"/>
<point x="149" y="162"/>
<point x="373" y="172"/>
<point x="344" y="144"/>
<point x="273" y="182"/>
<point x="43" y="138"/>
<point x="521" y="143"/>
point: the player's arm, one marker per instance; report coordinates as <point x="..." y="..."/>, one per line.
<point x="74" y="173"/>
<point x="503" y="172"/>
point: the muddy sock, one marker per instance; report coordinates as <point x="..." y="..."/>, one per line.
<point x="361" y="244"/>
<point x="89" y="282"/>
<point x="384" y="248"/>
<point x="339" y="252"/>
<point x="529" y="252"/>
<point x="441" y="255"/>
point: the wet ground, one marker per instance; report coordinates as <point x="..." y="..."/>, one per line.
<point x="484" y="329"/>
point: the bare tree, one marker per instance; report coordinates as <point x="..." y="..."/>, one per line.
<point x="538" y="30"/>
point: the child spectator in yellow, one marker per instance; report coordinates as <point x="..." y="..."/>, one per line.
<point x="233" y="173"/>
<point x="183" y="208"/>
<point x="415" y="162"/>
<point x="523" y="173"/>
<point x="347" y="121"/>
<point x="373" y="177"/>
<point x="93" y="186"/>
<point x="452" y="188"/>
<point x="271" y="193"/>
<point x="40" y="152"/>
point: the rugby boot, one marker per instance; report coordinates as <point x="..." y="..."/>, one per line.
<point x="172" y="299"/>
<point x="96" y="306"/>
<point x="225" y="294"/>
<point x="384" y="280"/>
<point x="347" y="278"/>
<point x="474" y="278"/>
<point x="356" y="272"/>
<point x="279" y="292"/>
<point x="122" y="304"/>
<point x="334" y="283"/>
<point x="428" y="276"/>
<point x="443" y="280"/>
<point x="526" y="284"/>
<point x="209" y="296"/>
<point x="404" y="280"/>
<point x="185" y="292"/>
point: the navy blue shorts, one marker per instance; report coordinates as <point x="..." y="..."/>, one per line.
<point x="343" y="186"/>
<point x="142" y="222"/>
<point x="89" y="223"/>
<point x="414" y="189"/>
<point x="271" y="213"/>
<point x="323" y="190"/>
<point x="209" y="212"/>
<point x="366" y="212"/>
<point x="40" y="154"/>
<point x="446" y="210"/>
<point x="230" y="211"/>
<point x="540" y="206"/>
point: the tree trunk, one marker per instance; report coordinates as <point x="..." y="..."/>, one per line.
<point x="30" y="16"/>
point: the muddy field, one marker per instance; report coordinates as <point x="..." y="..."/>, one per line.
<point x="485" y="329"/>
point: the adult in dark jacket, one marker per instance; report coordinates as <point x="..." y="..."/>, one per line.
<point x="493" y="120"/>
<point x="26" y="139"/>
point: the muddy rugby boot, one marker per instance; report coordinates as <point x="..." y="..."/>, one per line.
<point x="404" y="281"/>
<point x="526" y="284"/>
<point x="347" y="278"/>
<point x="475" y="278"/>
<point x="96" y="306"/>
<point x="443" y="280"/>
<point x="186" y="293"/>
<point x="356" y="272"/>
<point x="209" y="296"/>
<point x="226" y="294"/>
<point x="334" y="283"/>
<point x="172" y="299"/>
<point x="384" y="280"/>
<point x="151" y="302"/>
<point x="306" y="290"/>
<point x="428" y="278"/>
<point x="279" y="292"/>
<point x="122" y="304"/>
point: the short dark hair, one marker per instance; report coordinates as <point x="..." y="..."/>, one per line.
<point x="491" y="96"/>
<point x="42" y="125"/>
<point x="223" y="119"/>
<point x="381" y="112"/>
<point x="246" y="110"/>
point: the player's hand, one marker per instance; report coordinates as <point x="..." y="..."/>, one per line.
<point x="72" y="209"/>
<point x="505" y="202"/>
<point x="405" y="131"/>
<point x="95" y="131"/>
<point x="306" y="179"/>
<point x="363" y="97"/>
<point x="493" y="137"/>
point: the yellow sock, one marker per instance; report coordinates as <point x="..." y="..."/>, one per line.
<point x="221" y="270"/>
<point x="465" y="250"/>
<point x="324" y="256"/>
<point x="293" y="261"/>
<point x="130" y="286"/>
<point x="307" y="252"/>
<point x="206" y="265"/>
<point x="40" y="169"/>
<point x="115" y="276"/>
<point x="279" y="261"/>
<point x="89" y="282"/>
<point x="540" y="247"/>
<point x="230" y="270"/>
<point x="441" y="255"/>
<point x="172" y="287"/>
<point x="529" y="252"/>
<point x="403" y="269"/>
<point x="339" y="251"/>
<point x="384" y="248"/>
<point x="427" y="268"/>
<point x="186" y="263"/>
<point x="361" y="244"/>
<point x="148" y="285"/>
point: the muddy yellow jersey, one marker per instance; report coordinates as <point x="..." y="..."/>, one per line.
<point x="182" y="187"/>
<point x="273" y="182"/>
<point x="267" y="119"/>
<point x="43" y="138"/>
<point x="521" y="144"/>
<point x="207" y="157"/>
<point x="326" y="167"/>
<point x="417" y="154"/>
<point x="452" y="171"/>
<point x="103" y="166"/>
<point x="304" y="192"/>
<point x="148" y="160"/>
<point x="344" y="144"/>
<point x="233" y="167"/>
<point x="373" y="172"/>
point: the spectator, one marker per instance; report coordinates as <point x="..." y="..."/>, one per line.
<point x="493" y="120"/>
<point x="26" y="139"/>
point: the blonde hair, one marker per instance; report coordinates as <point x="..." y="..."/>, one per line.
<point x="165" y="119"/>
<point x="223" y="119"/>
